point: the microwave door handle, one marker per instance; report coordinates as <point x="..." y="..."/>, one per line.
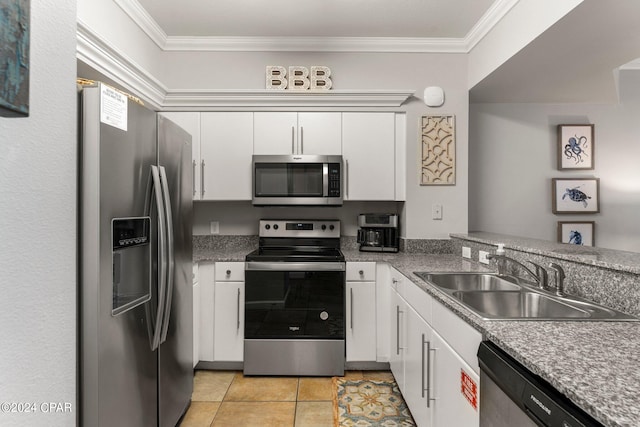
<point x="325" y="180"/>
<point x="170" y="253"/>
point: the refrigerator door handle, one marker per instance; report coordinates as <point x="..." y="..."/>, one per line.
<point x="170" y="250"/>
<point x="154" y="322"/>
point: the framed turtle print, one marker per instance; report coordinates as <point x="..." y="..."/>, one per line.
<point x="575" y="195"/>
<point x="575" y="147"/>
<point x="576" y="232"/>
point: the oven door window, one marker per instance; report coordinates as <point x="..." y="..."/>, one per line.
<point x="289" y="180"/>
<point x="305" y="305"/>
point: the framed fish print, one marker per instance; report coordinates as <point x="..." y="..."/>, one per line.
<point x="575" y="195"/>
<point x="575" y="147"/>
<point x="579" y="233"/>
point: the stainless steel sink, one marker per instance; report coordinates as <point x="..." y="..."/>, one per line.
<point x="518" y="305"/>
<point x="495" y="297"/>
<point x="470" y="281"/>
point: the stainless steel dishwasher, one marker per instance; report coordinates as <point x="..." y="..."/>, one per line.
<point x="514" y="396"/>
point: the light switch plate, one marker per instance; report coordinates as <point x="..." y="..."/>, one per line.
<point x="436" y="211"/>
<point x="482" y="257"/>
<point x="466" y="252"/>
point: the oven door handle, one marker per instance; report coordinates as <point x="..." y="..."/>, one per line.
<point x="294" y="266"/>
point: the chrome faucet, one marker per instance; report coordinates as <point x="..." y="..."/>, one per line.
<point x="559" y="272"/>
<point x="540" y="276"/>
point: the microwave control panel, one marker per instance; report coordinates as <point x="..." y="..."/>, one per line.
<point x="334" y="179"/>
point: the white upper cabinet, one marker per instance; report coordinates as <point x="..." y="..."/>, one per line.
<point x="320" y="133"/>
<point x="190" y="121"/>
<point x="226" y="149"/>
<point x="297" y="133"/>
<point x="368" y="148"/>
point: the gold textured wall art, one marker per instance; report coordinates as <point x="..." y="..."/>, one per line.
<point x="438" y="162"/>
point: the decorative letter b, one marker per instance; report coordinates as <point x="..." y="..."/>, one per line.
<point x="276" y="77"/>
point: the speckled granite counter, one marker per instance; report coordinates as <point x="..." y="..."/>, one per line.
<point x="595" y="364"/>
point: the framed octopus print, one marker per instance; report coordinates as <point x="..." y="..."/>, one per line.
<point x="576" y="232"/>
<point x="575" y="147"/>
<point x="575" y="195"/>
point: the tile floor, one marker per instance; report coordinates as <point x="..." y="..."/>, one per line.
<point x="228" y="398"/>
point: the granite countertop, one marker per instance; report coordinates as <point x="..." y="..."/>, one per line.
<point x="595" y="364"/>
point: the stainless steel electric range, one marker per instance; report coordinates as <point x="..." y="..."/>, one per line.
<point x="295" y="300"/>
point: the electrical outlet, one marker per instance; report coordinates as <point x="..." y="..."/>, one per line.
<point x="482" y="257"/>
<point x="436" y="211"/>
<point x="466" y="252"/>
<point x="215" y="227"/>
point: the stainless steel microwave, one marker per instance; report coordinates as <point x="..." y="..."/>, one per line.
<point x="302" y="180"/>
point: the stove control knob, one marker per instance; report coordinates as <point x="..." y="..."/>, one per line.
<point x="324" y="227"/>
<point x="331" y="227"/>
<point x="275" y="226"/>
<point x="267" y="226"/>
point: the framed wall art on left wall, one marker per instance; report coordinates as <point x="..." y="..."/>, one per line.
<point x="14" y="58"/>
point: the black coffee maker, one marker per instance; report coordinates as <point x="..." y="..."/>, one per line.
<point x="378" y="232"/>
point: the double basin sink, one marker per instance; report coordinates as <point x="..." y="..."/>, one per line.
<point x="495" y="297"/>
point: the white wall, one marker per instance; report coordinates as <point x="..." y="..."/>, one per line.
<point x="38" y="228"/>
<point x="245" y="70"/>
<point x="525" y="21"/>
<point x="513" y="155"/>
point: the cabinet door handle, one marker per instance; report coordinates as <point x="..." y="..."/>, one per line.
<point x="202" y="177"/>
<point x="238" y="311"/>
<point x="351" y="307"/>
<point x="301" y="140"/>
<point x="194" y="178"/>
<point x="293" y="140"/>
<point x="428" y="389"/>
<point x="346" y="178"/>
<point x="398" y="329"/>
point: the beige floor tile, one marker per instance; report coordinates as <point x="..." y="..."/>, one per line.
<point x="315" y="388"/>
<point x="378" y="375"/>
<point x="314" y="414"/>
<point x="255" y="414"/>
<point x="200" y="414"/>
<point x="211" y="386"/>
<point x="258" y="389"/>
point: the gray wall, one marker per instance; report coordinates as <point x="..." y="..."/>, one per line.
<point x="513" y="155"/>
<point x="38" y="228"/>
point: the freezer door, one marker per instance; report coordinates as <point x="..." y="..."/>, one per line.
<point x="118" y="370"/>
<point x="176" y="348"/>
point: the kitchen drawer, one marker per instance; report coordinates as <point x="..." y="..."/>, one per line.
<point x="461" y="336"/>
<point x="361" y="271"/>
<point x="229" y="272"/>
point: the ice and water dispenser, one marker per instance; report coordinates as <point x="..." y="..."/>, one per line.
<point x="131" y="263"/>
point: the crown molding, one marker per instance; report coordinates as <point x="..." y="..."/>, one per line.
<point x="633" y="65"/>
<point x="485" y="24"/>
<point x="317" y="44"/>
<point x="203" y="100"/>
<point x="106" y="59"/>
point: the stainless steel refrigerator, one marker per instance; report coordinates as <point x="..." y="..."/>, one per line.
<point x="135" y="278"/>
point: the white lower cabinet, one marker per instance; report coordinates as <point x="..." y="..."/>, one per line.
<point x="440" y="387"/>
<point x="456" y="387"/>
<point x="361" y="330"/>
<point x="361" y="321"/>
<point x="228" y="343"/>
<point x="228" y="312"/>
